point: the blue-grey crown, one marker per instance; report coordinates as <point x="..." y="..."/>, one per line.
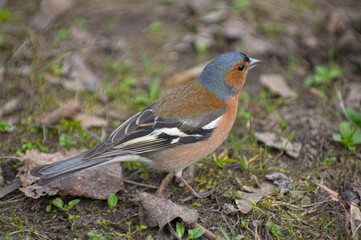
<point x="214" y="74"/>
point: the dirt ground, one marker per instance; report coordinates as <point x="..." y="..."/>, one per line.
<point x="116" y="57"/>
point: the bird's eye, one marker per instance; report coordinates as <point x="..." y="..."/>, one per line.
<point x="240" y="67"/>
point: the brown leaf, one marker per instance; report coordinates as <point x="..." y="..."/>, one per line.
<point x="355" y="222"/>
<point x="273" y="140"/>
<point x="88" y="121"/>
<point x="186" y="75"/>
<point x="66" y="111"/>
<point x="159" y="212"/>
<point x="74" y="67"/>
<point x="81" y="35"/>
<point x="13" y="105"/>
<point x="333" y="194"/>
<point x="259" y="46"/>
<point x="68" y="84"/>
<point x="49" y="11"/>
<point x="277" y="83"/>
<point x="98" y="182"/>
<point x="232" y="28"/>
<point x="244" y="204"/>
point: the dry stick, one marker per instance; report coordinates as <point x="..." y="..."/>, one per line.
<point x="139" y="184"/>
<point x="207" y="233"/>
<point x="12" y="157"/>
<point x="174" y="234"/>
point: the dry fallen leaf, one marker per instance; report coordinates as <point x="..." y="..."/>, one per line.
<point x="333" y="194"/>
<point x="85" y="37"/>
<point x="88" y="121"/>
<point x="155" y="211"/>
<point x="228" y="208"/>
<point x="259" y="46"/>
<point x="98" y="182"/>
<point x="232" y="28"/>
<point x="81" y="35"/>
<point x="273" y="140"/>
<point x="69" y="84"/>
<point x="284" y="182"/>
<point x="49" y="11"/>
<point x="74" y="67"/>
<point x="244" y="204"/>
<point x="355" y="222"/>
<point x="186" y="75"/>
<point x="277" y="83"/>
<point x="66" y="111"/>
<point x="13" y="105"/>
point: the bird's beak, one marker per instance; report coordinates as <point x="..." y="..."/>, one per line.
<point x="253" y="63"/>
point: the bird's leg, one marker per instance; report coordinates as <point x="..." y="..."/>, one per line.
<point x="164" y="184"/>
<point x="194" y="193"/>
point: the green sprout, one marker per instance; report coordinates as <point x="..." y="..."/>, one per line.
<point x="348" y="136"/>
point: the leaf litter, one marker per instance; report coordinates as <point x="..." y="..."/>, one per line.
<point x="155" y="211"/>
<point x="108" y="177"/>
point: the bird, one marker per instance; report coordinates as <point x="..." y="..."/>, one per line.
<point x="176" y="131"/>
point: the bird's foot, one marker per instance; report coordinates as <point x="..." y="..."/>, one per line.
<point x="194" y="193"/>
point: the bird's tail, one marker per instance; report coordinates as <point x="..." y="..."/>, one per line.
<point x="59" y="170"/>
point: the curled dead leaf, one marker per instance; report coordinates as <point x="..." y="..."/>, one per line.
<point x="156" y="211"/>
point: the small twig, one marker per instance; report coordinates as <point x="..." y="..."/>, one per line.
<point x="174" y="234"/>
<point x="140" y="184"/>
<point x="45" y="136"/>
<point x="92" y="134"/>
<point x="207" y="233"/>
<point x="297" y="207"/>
<point x="11" y="157"/>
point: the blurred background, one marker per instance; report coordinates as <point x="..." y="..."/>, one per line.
<point x="100" y="62"/>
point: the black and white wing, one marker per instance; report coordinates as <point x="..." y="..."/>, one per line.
<point x="146" y="132"/>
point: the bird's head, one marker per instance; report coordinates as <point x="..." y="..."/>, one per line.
<point x="226" y="74"/>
